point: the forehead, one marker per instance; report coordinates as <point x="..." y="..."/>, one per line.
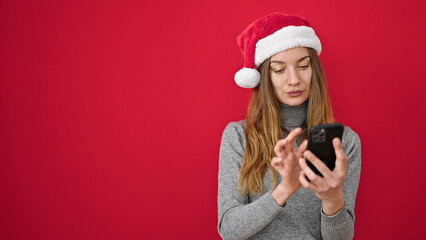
<point x="290" y="55"/>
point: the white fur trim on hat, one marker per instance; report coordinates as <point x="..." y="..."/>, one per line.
<point x="247" y="77"/>
<point x="286" y="38"/>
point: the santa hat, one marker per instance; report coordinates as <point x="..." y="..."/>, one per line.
<point x="267" y="36"/>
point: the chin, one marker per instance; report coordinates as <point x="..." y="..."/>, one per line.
<point x="293" y="102"/>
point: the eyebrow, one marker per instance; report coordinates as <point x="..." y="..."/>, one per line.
<point x="303" y="58"/>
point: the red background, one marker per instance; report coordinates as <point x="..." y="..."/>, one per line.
<point x="112" y="112"/>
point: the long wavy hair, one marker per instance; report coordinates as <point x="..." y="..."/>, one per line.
<point x="263" y="128"/>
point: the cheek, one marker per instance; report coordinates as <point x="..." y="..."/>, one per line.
<point x="309" y="88"/>
<point x="277" y="82"/>
<point x="309" y="84"/>
<point x="307" y="79"/>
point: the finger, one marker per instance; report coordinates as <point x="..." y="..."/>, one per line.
<point x="306" y="184"/>
<point x="277" y="163"/>
<point x="293" y="134"/>
<point x="290" y="139"/>
<point x="341" y="158"/>
<point x="302" y="147"/>
<point x="319" y="165"/>
<point x="309" y="172"/>
<point x="278" y="149"/>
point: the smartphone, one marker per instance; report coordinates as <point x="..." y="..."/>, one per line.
<point x="320" y="144"/>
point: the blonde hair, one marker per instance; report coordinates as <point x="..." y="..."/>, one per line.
<point x="263" y="128"/>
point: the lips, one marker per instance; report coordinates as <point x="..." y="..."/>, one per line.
<point x="295" y="93"/>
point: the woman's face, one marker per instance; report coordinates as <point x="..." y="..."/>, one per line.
<point x="291" y="75"/>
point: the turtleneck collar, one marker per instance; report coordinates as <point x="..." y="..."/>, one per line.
<point x="293" y="116"/>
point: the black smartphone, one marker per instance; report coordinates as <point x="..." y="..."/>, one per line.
<point x="320" y="143"/>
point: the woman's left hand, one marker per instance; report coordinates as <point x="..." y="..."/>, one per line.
<point x="327" y="188"/>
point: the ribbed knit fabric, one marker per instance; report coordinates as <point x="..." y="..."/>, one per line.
<point x="260" y="217"/>
<point x="293" y="117"/>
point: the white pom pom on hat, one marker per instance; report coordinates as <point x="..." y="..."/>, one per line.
<point x="267" y="36"/>
<point x="247" y="77"/>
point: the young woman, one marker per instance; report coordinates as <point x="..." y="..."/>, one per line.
<point x="263" y="191"/>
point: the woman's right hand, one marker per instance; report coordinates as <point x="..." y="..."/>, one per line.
<point x="287" y="165"/>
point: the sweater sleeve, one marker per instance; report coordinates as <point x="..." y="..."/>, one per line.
<point x="237" y="218"/>
<point x="341" y="225"/>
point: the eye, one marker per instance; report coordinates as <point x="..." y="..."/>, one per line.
<point x="304" y="66"/>
<point x="279" y="70"/>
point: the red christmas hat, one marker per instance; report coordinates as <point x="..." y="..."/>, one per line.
<point x="267" y="36"/>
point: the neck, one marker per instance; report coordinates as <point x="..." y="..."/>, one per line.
<point x="293" y="116"/>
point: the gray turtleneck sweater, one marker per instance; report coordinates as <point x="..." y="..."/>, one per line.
<point x="259" y="216"/>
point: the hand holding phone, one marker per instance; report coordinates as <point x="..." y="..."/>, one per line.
<point x="320" y="143"/>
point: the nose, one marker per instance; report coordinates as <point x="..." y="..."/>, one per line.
<point x="293" y="78"/>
